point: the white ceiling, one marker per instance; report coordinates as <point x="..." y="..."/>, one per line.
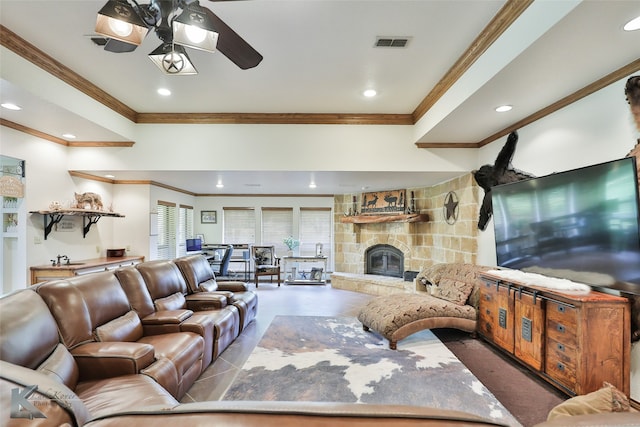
<point x="319" y="56"/>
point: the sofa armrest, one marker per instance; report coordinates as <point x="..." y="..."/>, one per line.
<point x="167" y="317"/>
<point x="233" y="286"/>
<point x="98" y="360"/>
<point x="201" y="301"/>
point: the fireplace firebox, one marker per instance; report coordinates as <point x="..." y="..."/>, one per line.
<point x="384" y="260"/>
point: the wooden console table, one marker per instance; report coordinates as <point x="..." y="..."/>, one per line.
<point x="574" y="341"/>
<point x="304" y="259"/>
<point x="41" y="273"/>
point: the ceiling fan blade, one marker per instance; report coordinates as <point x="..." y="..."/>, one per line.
<point x="117" y="46"/>
<point x="234" y="47"/>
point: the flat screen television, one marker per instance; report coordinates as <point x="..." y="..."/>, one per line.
<point x="194" y="245"/>
<point x="581" y="225"/>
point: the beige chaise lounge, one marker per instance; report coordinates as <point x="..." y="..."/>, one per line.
<point x="446" y="297"/>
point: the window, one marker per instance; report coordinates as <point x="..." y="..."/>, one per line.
<point x="315" y="227"/>
<point x="185" y="228"/>
<point x="166" y="246"/>
<point x="239" y="225"/>
<point x="277" y="224"/>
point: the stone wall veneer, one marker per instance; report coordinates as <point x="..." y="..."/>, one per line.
<point x="423" y="243"/>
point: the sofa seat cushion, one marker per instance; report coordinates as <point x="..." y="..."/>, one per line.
<point x="391" y="313"/>
<point x="125" y="393"/>
<point x="183" y="349"/>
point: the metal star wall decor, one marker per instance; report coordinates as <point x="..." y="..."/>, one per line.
<point x="451" y="207"/>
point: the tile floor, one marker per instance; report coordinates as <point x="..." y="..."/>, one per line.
<point x="293" y="300"/>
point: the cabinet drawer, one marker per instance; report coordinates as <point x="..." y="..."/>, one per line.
<point x="486" y="314"/>
<point x="562" y="323"/>
<point x="561" y="363"/>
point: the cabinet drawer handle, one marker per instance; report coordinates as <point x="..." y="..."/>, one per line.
<point x="560" y="328"/>
<point x="488" y="311"/>
<point x="487" y="297"/>
<point x="560" y="347"/>
<point x="560" y="366"/>
<point x="562" y="308"/>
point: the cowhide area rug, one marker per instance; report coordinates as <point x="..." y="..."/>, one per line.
<point x="310" y="358"/>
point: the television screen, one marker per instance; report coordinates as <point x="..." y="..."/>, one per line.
<point x="194" y="245"/>
<point x="582" y="225"/>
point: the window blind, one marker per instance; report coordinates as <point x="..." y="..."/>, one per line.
<point x="315" y="227"/>
<point x="277" y="224"/>
<point x="166" y="246"/>
<point x="185" y="228"/>
<point x="239" y="225"/>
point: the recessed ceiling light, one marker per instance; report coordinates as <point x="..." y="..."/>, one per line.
<point x="312" y="185"/>
<point x="503" y="108"/>
<point x="220" y="185"/>
<point x="109" y="176"/>
<point x="10" y="106"/>
<point x="370" y="93"/>
<point x="164" y="91"/>
<point x="632" y="25"/>
<point x="68" y="136"/>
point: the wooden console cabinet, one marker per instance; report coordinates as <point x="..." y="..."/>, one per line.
<point x="573" y="340"/>
<point x="41" y="273"/>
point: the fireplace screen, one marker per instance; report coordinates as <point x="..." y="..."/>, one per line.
<point x="384" y="260"/>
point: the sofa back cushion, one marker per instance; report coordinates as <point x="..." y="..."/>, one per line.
<point x="28" y="331"/>
<point x="162" y="278"/>
<point x="197" y="273"/>
<point x="170" y="303"/>
<point x="126" y="328"/>
<point x="83" y="303"/>
<point x="136" y="289"/>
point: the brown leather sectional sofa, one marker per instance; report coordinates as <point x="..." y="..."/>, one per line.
<point x="120" y="348"/>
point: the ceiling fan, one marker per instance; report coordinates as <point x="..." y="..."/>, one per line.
<point x="177" y="23"/>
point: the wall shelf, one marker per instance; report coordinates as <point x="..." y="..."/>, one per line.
<point x="89" y="217"/>
<point x="379" y="219"/>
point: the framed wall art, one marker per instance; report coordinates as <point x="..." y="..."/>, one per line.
<point x="209" y="217"/>
<point x="384" y="202"/>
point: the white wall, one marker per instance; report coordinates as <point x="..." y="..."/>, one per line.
<point x="47" y="180"/>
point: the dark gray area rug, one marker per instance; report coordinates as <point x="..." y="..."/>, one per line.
<point x="331" y="359"/>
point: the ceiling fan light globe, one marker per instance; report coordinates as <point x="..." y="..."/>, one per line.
<point x="123" y="29"/>
<point x="195" y="34"/>
<point x="193" y="28"/>
<point x="119" y="21"/>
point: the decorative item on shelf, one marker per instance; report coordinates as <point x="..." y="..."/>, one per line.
<point x="384" y="202"/>
<point x="355" y="206"/>
<point x="291" y="244"/>
<point x="412" y="204"/>
<point x="55" y="206"/>
<point x="319" y="249"/>
<point x="88" y="201"/>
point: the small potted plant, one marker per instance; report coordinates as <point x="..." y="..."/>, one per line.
<point x="291" y="244"/>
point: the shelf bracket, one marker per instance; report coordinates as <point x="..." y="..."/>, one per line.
<point x="87" y="222"/>
<point x="55" y="218"/>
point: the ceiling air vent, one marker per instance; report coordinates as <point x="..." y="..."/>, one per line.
<point x="392" y="41"/>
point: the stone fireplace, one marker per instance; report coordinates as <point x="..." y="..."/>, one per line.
<point x="420" y="244"/>
<point x="384" y="260"/>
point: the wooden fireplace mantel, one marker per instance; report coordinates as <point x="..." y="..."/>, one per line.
<point x="378" y="219"/>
